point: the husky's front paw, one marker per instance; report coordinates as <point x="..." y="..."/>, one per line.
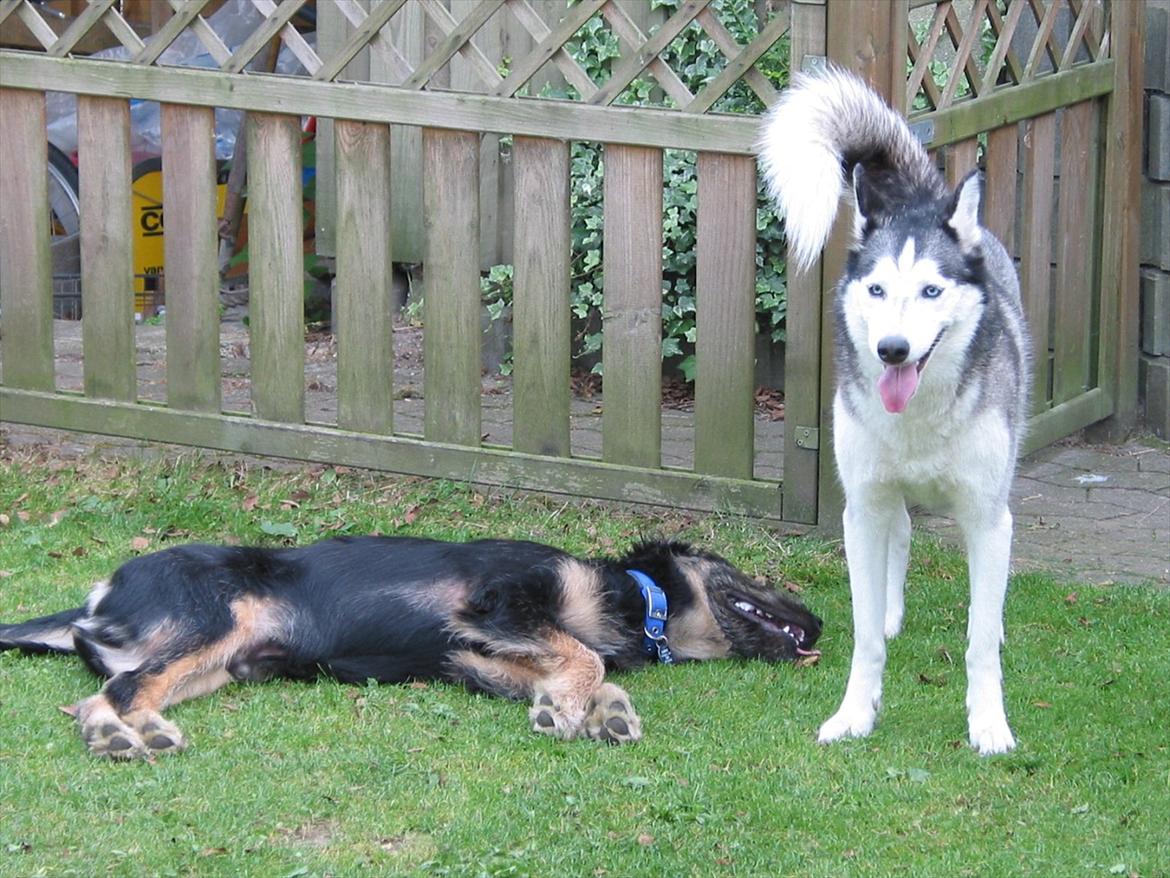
<point x="990" y="734"/>
<point x="847" y="723"/>
<point x="610" y="716"/>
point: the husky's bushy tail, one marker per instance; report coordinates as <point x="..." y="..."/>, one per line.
<point x="823" y="126"/>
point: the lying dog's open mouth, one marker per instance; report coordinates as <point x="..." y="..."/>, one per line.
<point x="791" y="630"/>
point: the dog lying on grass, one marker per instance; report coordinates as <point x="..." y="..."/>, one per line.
<point x="512" y="618"/>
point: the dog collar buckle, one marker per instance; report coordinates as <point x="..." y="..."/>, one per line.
<point x="654" y="621"/>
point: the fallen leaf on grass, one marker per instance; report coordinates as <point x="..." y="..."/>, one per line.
<point x="645" y="839"/>
<point x="139" y="544"/>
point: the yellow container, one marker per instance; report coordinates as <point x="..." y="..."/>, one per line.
<point x="147" y="205"/>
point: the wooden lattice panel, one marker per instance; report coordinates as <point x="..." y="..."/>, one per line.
<point x="457" y="29"/>
<point x="959" y="51"/>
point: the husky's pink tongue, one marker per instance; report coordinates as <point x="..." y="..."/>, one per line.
<point x="897" y="385"/>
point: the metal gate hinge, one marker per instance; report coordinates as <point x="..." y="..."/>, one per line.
<point x="807" y="437"/>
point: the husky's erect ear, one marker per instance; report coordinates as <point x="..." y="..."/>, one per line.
<point x="963" y="214"/>
<point x="870" y="202"/>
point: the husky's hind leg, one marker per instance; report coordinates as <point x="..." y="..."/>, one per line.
<point x="988" y="555"/>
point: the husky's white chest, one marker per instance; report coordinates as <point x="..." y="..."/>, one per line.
<point x="940" y="457"/>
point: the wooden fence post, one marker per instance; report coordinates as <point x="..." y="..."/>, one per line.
<point x="870" y="40"/>
<point x="1120" y="305"/>
<point x="804" y="380"/>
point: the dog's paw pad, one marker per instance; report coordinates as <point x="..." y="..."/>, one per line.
<point x="113" y="741"/>
<point x="550" y="717"/>
<point x="611" y="718"/>
<point x="159" y="735"/>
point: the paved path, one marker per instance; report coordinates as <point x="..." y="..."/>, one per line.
<point x="1092" y="513"/>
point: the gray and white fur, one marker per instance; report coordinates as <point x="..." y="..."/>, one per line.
<point x="924" y="281"/>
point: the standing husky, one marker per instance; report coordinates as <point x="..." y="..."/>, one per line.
<point x="932" y="367"/>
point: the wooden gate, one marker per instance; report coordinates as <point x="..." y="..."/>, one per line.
<point x="1007" y="89"/>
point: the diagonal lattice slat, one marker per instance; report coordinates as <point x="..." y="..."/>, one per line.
<point x="366" y="28"/>
<point x="458" y="40"/>
<point x="953" y="60"/>
<point x="644" y="43"/>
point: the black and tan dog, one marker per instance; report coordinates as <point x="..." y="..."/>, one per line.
<point x="516" y="619"/>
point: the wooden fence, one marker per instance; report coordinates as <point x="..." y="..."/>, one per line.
<point x="1051" y="80"/>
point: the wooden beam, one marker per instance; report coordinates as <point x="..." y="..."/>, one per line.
<point x="364" y="294"/>
<point x="726" y="312"/>
<point x="1017" y="103"/>
<point x="324" y="444"/>
<point x="452" y="301"/>
<point x="1120" y="296"/>
<point x="379" y="103"/>
<point x="631" y="346"/>
<point x="26" y="263"/>
<point x="191" y="258"/>
<point x="541" y="321"/>
<point x="276" y="266"/>
<point x="107" y="263"/>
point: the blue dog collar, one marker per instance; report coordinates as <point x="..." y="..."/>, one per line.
<point x="654" y="620"/>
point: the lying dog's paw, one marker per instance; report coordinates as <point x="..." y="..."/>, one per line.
<point x="548" y="717"/>
<point x="110" y="738"/>
<point x="610" y="716"/>
<point x="159" y="735"/>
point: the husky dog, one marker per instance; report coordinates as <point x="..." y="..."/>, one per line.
<point x="508" y="617"/>
<point x="932" y="366"/>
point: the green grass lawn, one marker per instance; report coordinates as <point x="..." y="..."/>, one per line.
<point x="288" y="779"/>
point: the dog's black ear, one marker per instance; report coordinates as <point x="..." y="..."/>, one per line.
<point x="963" y="212"/>
<point x="871" y="202"/>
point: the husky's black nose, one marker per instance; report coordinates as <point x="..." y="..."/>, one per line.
<point x="893" y="349"/>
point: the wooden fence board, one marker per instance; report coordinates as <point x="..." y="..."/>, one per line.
<point x="1038" y="158"/>
<point x="1121" y="221"/>
<point x="1002" y="185"/>
<point x="364" y="299"/>
<point x="107" y="267"/>
<point x="541" y="326"/>
<point x="26" y="265"/>
<point x="725" y="321"/>
<point x="276" y="267"/>
<point x="191" y="258"/>
<point x="376" y="103"/>
<point x="491" y="466"/>
<point x="961" y="158"/>
<point x="1074" y="257"/>
<point x="802" y="346"/>
<point x="632" y="308"/>
<point x="1016" y="104"/>
<point x="451" y="339"/>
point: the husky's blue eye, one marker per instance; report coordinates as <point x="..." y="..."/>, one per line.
<point x="930" y="291"/>
<point x="876" y="291"/>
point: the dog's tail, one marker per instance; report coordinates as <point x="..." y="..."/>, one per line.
<point x="47" y="634"/>
<point x="823" y="126"/>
